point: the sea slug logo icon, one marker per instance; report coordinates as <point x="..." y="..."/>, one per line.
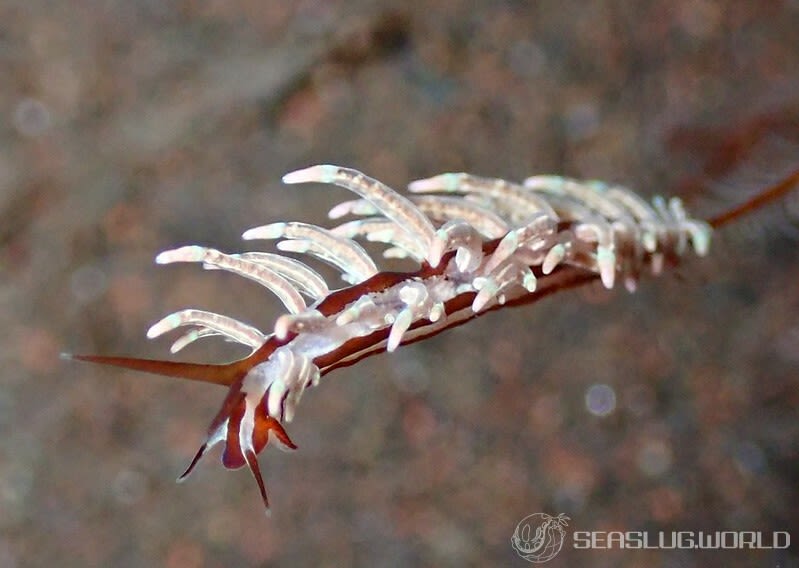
<point x="539" y="537"/>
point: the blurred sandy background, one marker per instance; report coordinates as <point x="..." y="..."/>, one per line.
<point x="132" y="127"/>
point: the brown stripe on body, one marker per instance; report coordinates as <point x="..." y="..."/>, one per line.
<point x="359" y="348"/>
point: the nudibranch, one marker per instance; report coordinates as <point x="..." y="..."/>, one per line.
<point x="479" y="244"/>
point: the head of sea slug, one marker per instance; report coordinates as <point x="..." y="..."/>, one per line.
<point x="243" y="425"/>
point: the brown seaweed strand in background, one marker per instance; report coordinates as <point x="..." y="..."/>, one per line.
<point x="764" y="197"/>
